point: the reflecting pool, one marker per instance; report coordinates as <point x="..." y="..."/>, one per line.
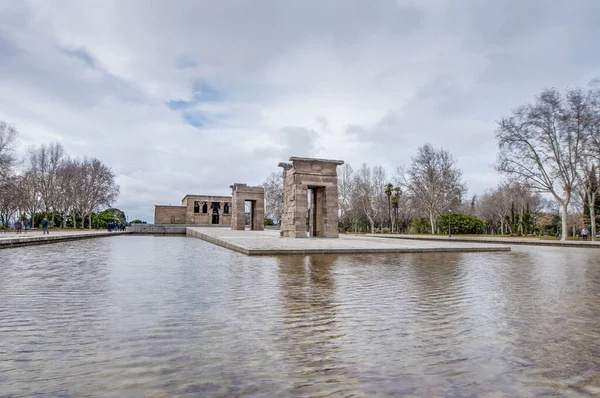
<point x="144" y="316"/>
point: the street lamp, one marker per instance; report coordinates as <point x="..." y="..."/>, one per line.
<point x="449" y="222"/>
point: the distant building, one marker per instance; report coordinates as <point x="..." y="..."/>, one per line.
<point x="196" y="209"/>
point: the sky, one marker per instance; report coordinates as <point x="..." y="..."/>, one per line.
<point x="190" y="96"/>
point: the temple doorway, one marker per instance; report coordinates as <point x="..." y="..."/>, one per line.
<point x="314" y="217"/>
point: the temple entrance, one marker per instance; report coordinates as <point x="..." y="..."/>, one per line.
<point x="315" y="211"/>
<point x="310" y="198"/>
<point x="249" y="212"/>
<point x="215" y="219"/>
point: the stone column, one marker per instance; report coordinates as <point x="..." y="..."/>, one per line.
<point x="259" y="215"/>
<point x="330" y="212"/>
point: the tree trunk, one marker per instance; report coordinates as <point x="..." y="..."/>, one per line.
<point x="372" y="222"/>
<point x="593" y="217"/>
<point x="390" y="210"/>
<point x="90" y="221"/>
<point x="565" y="227"/>
<point x="432" y="222"/>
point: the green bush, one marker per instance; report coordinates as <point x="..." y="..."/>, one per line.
<point x="385" y="230"/>
<point x="461" y="224"/>
<point x="269" y="221"/>
<point x="420" y="225"/>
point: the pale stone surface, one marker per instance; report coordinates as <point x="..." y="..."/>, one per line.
<point x="9" y="240"/>
<point x="506" y="240"/>
<point x="268" y="242"/>
<point x="320" y="177"/>
<point x="241" y="193"/>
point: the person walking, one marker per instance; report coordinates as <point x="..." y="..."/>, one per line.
<point x="584" y="233"/>
<point x="45" y="226"/>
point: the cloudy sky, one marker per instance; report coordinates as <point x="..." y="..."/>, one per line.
<point x="189" y="96"/>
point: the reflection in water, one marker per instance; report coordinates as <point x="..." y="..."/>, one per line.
<point x="149" y="316"/>
<point x="310" y="340"/>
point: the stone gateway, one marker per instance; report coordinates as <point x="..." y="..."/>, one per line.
<point x="241" y="193"/>
<point x="320" y="215"/>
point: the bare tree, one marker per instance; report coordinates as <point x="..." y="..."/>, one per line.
<point x="8" y="199"/>
<point x="345" y="191"/>
<point x="434" y="182"/>
<point x="495" y="205"/>
<point x="540" y="145"/>
<point x="45" y="162"/>
<point x="29" y="196"/>
<point x="69" y="175"/>
<point x="95" y="187"/>
<point x="590" y="161"/>
<point x="8" y="138"/>
<point x="273" y="186"/>
<point x="370" y="191"/>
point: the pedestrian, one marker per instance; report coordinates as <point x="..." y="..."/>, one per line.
<point x="45" y="226"/>
<point x="584" y="233"/>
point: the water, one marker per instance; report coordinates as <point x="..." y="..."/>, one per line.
<point x="142" y="316"/>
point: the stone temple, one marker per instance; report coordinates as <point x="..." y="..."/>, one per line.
<point x="310" y="203"/>
<point x="196" y="209"/>
<point x="319" y="177"/>
<point x="217" y="210"/>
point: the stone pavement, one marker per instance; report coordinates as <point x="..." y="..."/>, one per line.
<point x="499" y="240"/>
<point x="35" y="237"/>
<point x="268" y="242"/>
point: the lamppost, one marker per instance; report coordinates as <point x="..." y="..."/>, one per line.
<point x="449" y="222"/>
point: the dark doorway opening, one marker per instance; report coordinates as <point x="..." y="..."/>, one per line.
<point x="315" y="211"/>
<point x="215" y="218"/>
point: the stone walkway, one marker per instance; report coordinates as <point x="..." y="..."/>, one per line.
<point x="499" y="240"/>
<point x="268" y="242"/>
<point x="35" y="237"/>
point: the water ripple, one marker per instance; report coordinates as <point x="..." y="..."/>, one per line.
<point x="149" y="316"/>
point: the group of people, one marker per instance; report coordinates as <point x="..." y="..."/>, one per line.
<point x="17" y="226"/>
<point x="115" y="226"/>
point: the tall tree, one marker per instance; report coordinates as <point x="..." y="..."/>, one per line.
<point x="45" y="162"/>
<point x="97" y="187"/>
<point x="395" y="205"/>
<point x="29" y="196"/>
<point x="389" y="189"/>
<point x="370" y="186"/>
<point x="8" y="138"/>
<point x="590" y="162"/>
<point x="540" y="144"/>
<point x="435" y="182"/>
<point x="345" y="192"/>
<point x="273" y="186"/>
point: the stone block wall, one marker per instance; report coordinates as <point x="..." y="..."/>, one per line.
<point x="185" y="213"/>
<point x="169" y="214"/>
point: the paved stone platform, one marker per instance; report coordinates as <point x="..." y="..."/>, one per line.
<point x="268" y="242"/>
<point x="10" y="239"/>
<point x="496" y="240"/>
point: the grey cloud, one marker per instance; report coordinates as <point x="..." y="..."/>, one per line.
<point x="359" y="80"/>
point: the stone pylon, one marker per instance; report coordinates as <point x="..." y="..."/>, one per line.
<point x="319" y="177"/>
